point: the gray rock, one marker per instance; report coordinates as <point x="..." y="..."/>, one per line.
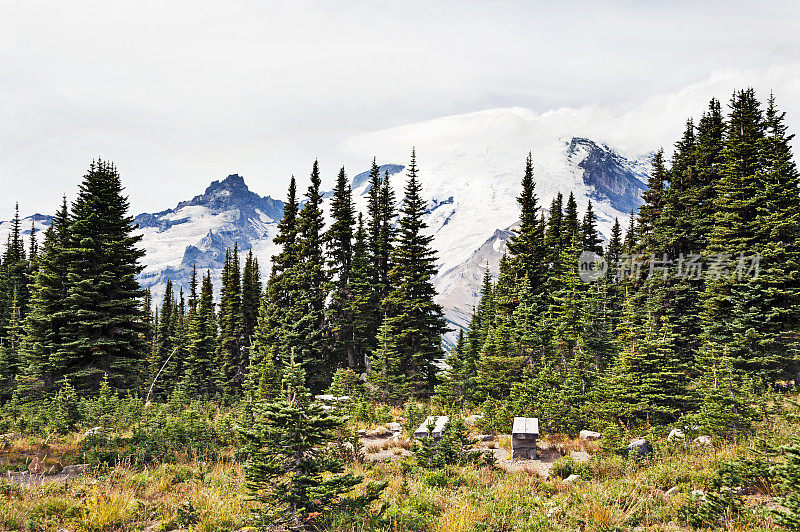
<point x="94" y="431"/>
<point x="676" y="434"/>
<point x="362" y="432"/>
<point x="75" y="469"/>
<point x="395" y="427"/>
<point x="472" y="420"/>
<point x="589" y="435"/>
<point x="704" y="441"/>
<point x="570" y="479"/>
<point x="640" y="447"/>
<point x="484" y="437"/>
<point x="380" y="432"/>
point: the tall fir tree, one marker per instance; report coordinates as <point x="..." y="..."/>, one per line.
<point x="526" y="246"/>
<point x="412" y="321"/>
<point x="364" y="304"/>
<point x="591" y="240"/>
<point x="200" y="377"/>
<point x="306" y="332"/>
<point x="231" y="356"/>
<point x="103" y="327"/>
<point x="339" y="242"/>
<point x="251" y="300"/>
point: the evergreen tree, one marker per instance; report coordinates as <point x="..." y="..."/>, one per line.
<point x="231" y="356"/>
<point x="645" y="384"/>
<point x="339" y="240"/>
<point x="614" y="250"/>
<point x="501" y="360"/>
<point x="193" y="285"/>
<point x="288" y="470"/>
<point x="278" y="309"/>
<point x="789" y="478"/>
<point x="413" y="321"/>
<point x="200" y="375"/>
<point x="741" y="201"/>
<point x="306" y="333"/>
<point x="591" y="239"/>
<point x="103" y="327"/>
<point x="13" y="279"/>
<point x="571" y="228"/>
<point x="386" y="238"/>
<point x="775" y="304"/>
<point x="553" y="233"/>
<point x="526" y="246"/>
<point x="364" y="303"/>
<point x="451" y="389"/>
<point x="163" y="346"/>
<point x="653" y="204"/>
<point x="251" y="299"/>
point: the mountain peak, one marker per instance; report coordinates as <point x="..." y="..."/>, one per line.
<point x="232" y="183"/>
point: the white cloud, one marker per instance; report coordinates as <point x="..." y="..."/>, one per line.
<point x="179" y="93"/>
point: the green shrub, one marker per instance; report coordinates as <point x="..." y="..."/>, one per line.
<point x="564" y="467"/>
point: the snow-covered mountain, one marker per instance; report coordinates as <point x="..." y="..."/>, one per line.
<point x="470" y="169"/>
<point x="199" y="231"/>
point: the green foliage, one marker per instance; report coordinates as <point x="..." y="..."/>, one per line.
<point x="64" y="409"/>
<point x="612" y="440"/>
<point x="788" y="475"/>
<point x="288" y="472"/>
<point x="453" y="448"/>
<point x="564" y="467"/>
<point x="103" y="329"/>
<point x="409" y="339"/>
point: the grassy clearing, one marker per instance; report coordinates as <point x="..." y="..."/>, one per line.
<point x="187" y="492"/>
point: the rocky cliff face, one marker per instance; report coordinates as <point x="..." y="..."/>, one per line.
<point x="197" y="232"/>
<point x="614" y="179"/>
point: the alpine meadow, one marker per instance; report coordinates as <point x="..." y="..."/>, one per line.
<point x="584" y="317"/>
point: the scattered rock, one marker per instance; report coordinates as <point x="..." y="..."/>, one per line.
<point x="699" y="493"/>
<point x="484" y="437"/>
<point x="36" y="467"/>
<point x="589" y="435"/>
<point x="95" y="431"/>
<point x="705" y="441"/>
<point x="570" y="479"/>
<point x="75" y="469"/>
<point x="671" y="492"/>
<point x="328" y="398"/>
<point x="641" y="447"/>
<point x="472" y="420"/>
<point x="736" y="492"/>
<point x="395" y="427"/>
<point x="676" y="434"/>
<point x="380" y="432"/>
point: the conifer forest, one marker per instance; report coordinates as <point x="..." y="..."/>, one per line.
<point x="662" y="360"/>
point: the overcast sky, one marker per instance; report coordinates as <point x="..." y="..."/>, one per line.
<point x="179" y="93"/>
